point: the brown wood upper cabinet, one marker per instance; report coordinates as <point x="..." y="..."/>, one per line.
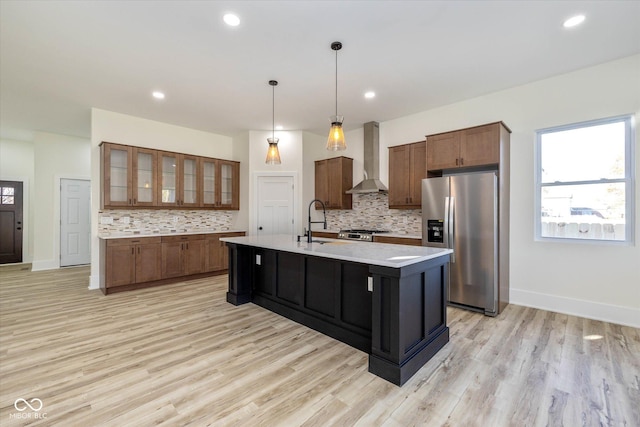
<point x="333" y="177"/>
<point x="220" y="184"/>
<point x="476" y="146"/>
<point x="407" y="169"/>
<point x="143" y="177"/>
<point x="179" y="180"/>
<point x="129" y="176"/>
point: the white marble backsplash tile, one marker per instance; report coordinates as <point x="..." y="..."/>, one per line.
<point x="371" y="210"/>
<point x="150" y="220"/>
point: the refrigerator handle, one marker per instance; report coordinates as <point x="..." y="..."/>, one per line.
<point x="451" y="231"/>
<point x="445" y="238"/>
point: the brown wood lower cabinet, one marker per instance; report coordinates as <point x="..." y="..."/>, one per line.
<point x="131" y="263"/>
<point x="183" y="255"/>
<point x="217" y="254"/>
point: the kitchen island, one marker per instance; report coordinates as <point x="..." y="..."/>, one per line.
<point x="387" y="300"/>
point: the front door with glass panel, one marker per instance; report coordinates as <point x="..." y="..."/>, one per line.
<point x="10" y="222"/>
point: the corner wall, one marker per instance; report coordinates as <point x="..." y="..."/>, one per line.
<point x="597" y="281"/>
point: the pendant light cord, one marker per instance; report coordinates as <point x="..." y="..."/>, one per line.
<point x="336" y="82"/>
<point x="273" y="113"/>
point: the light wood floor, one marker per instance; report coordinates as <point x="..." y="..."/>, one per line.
<point x="179" y="355"/>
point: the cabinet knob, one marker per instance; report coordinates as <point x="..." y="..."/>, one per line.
<point x="259" y="228"/>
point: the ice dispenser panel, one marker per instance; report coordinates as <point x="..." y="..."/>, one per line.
<point x="435" y="230"/>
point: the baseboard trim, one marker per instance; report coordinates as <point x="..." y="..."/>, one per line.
<point x="49" y="264"/>
<point x="621" y="315"/>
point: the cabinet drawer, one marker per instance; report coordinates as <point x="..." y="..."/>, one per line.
<point x="182" y="238"/>
<point x="398" y="240"/>
<point x="133" y="241"/>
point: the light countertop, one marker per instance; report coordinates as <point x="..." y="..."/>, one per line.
<point x="160" y="233"/>
<point x="383" y="254"/>
<point x="390" y="234"/>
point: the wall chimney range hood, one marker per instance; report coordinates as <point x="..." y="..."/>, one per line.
<point x="371" y="183"/>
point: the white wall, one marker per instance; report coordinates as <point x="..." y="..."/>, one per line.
<point x="17" y="164"/>
<point x="291" y="155"/>
<point x="124" y="129"/>
<point x="596" y="281"/>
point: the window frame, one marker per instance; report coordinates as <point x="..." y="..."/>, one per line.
<point x="628" y="180"/>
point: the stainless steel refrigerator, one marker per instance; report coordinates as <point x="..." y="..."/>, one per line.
<point x="461" y="212"/>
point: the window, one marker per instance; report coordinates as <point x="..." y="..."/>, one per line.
<point x="7" y="196"/>
<point x="584" y="181"/>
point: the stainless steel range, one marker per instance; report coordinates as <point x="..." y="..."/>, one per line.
<point x="359" y="234"/>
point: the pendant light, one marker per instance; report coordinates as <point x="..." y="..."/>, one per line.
<point x="335" y="142"/>
<point x="273" y="155"/>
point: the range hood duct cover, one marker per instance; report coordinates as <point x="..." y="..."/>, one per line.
<point x="371" y="183"/>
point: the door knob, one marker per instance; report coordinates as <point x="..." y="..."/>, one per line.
<point x="259" y="228"/>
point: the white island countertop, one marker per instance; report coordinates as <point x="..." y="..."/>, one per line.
<point x="383" y="254"/>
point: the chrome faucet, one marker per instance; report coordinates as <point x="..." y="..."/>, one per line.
<point x="324" y="213"/>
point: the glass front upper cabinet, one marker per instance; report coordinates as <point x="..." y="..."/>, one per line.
<point x="168" y="179"/>
<point x="117" y="176"/>
<point x="209" y="168"/>
<point x="229" y="180"/>
<point x="144" y="176"/>
<point x="189" y="181"/>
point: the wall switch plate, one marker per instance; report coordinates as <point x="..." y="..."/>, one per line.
<point x="258" y="259"/>
<point x="370" y="284"/>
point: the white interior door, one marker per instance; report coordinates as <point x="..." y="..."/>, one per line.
<point x="75" y="222"/>
<point x="275" y="205"/>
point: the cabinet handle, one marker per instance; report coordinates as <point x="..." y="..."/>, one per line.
<point x="129" y="201"/>
<point x="187" y="246"/>
<point x="457" y="160"/>
<point x="461" y="161"/>
<point x="133" y="251"/>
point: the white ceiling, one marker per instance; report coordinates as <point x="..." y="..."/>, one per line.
<point x="60" y="58"/>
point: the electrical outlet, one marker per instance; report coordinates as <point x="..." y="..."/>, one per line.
<point x="125" y="220"/>
<point x="106" y="220"/>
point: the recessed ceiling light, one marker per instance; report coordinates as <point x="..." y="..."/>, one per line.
<point x="279" y="127"/>
<point x="158" y="95"/>
<point x="231" y="20"/>
<point x="370" y="95"/>
<point x="574" y="21"/>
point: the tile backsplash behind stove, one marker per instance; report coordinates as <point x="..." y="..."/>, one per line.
<point x="371" y="210"/>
